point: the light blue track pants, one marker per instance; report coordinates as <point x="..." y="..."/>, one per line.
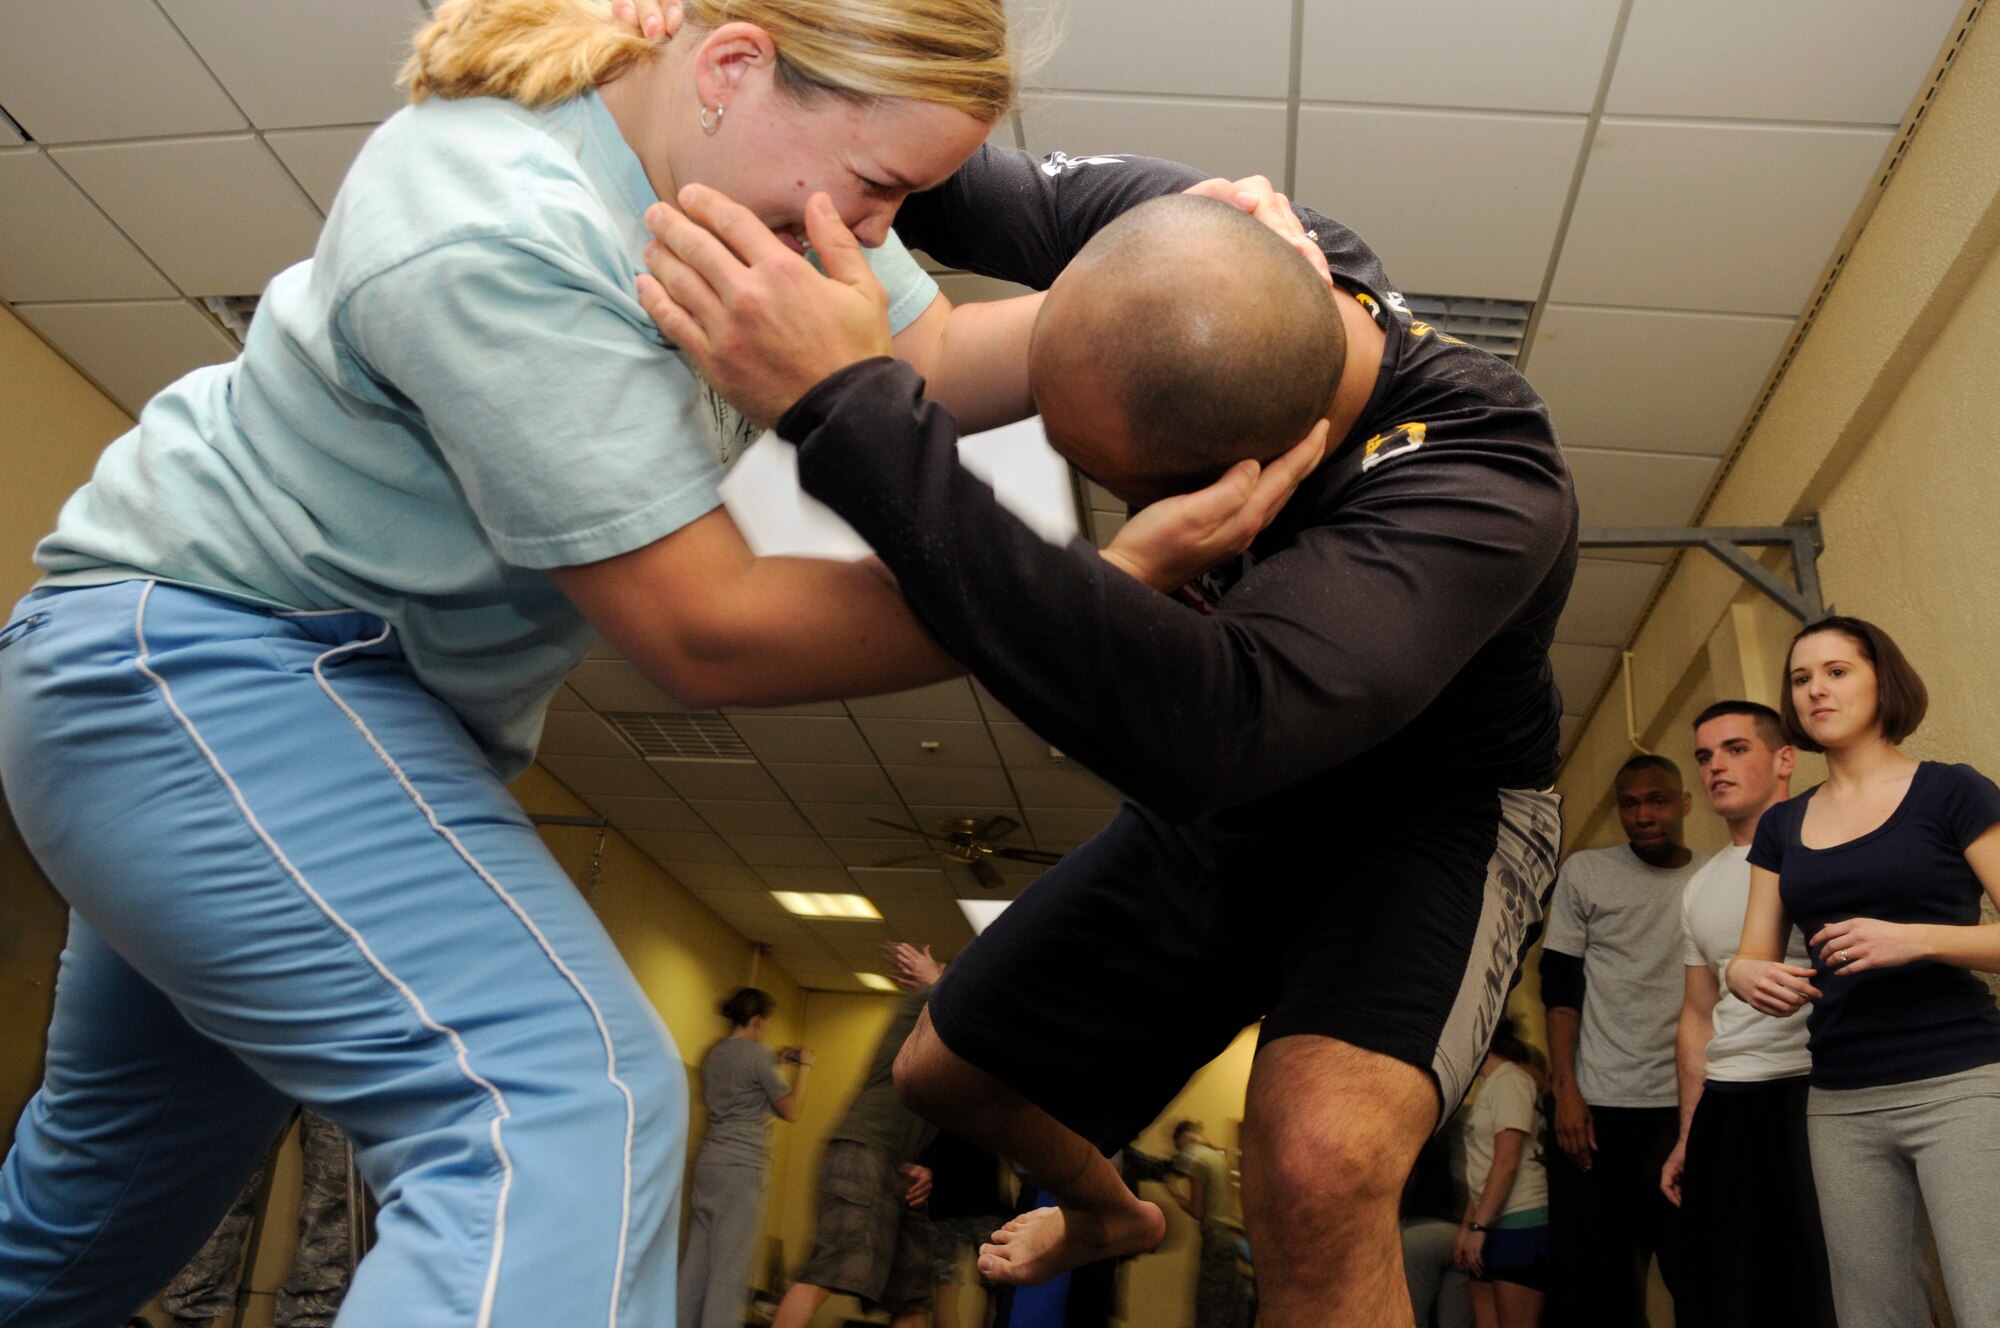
<point x="292" y="875"/>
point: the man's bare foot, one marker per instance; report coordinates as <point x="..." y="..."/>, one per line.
<point x="1036" y="1246"/>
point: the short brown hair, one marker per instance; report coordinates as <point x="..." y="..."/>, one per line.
<point x="1901" y="699"/>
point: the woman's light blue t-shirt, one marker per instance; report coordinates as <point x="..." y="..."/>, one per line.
<point x="458" y="392"/>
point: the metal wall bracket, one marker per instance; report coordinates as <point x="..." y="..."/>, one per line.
<point x="1728" y="543"/>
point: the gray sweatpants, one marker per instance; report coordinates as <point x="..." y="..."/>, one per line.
<point x="728" y="1212"/>
<point x="1880" y="1157"/>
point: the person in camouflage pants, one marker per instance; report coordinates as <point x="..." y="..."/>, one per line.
<point x="205" y="1290"/>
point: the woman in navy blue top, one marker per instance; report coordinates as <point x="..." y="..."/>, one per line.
<point x="1884" y="867"/>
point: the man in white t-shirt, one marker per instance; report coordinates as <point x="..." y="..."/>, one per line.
<point x="1741" y="1173"/>
<point x="1611" y="980"/>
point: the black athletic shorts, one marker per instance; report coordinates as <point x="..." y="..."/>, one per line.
<point x="1392" y="923"/>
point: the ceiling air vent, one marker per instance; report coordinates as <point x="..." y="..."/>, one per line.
<point x="1492" y="325"/>
<point x="675" y="736"/>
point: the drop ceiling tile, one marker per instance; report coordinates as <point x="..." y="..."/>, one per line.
<point x="1580" y="671"/>
<point x="1475" y="200"/>
<point x="944" y="700"/>
<point x="820" y="708"/>
<point x="318" y="158"/>
<point x="304" y="62"/>
<point x="1652" y="381"/>
<point x="875" y="852"/>
<point x="1637" y="488"/>
<point x="674" y="849"/>
<point x="1546" y="56"/>
<point x="1058" y="828"/>
<point x="658" y="813"/>
<point x="951" y="786"/>
<point x="1021" y="746"/>
<point x="799" y="738"/>
<point x="934" y="818"/>
<point x="618" y="777"/>
<point x="1102" y="499"/>
<point x="836" y="783"/>
<point x="854" y="820"/>
<point x="1220" y="137"/>
<point x="723" y="878"/>
<point x="612" y="684"/>
<point x="1571" y="726"/>
<point x="9" y="135"/>
<point x="1064" y="786"/>
<point x="97" y="69"/>
<point x="960" y="742"/>
<point x="565" y="699"/>
<point x="1605" y="601"/>
<point x="813" y="880"/>
<point x="752" y="818"/>
<point x="733" y="781"/>
<point x="1180" y="45"/>
<point x="1851" y="60"/>
<point x="783" y="850"/>
<point x="218" y="215"/>
<point x="1732" y="218"/>
<point x="131" y="350"/>
<point x="1104" y="527"/>
<point x="54" y="245"/>
<point x="766" y="929"/>
<point x="581" y="733"/>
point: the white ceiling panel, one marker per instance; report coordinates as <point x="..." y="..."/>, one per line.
<point x="1537" y="55"/>
<point x="97" y="69"/>
<point x="1220" y="137"/>
<point x="944" y="700"/>
<point x="802" y="738"/>
<point x="618" y="777"/>
<point x="1644" y="380"/>
<point x="303" y="62"/>
<point x="958" y="742"/>
<point x="1187" y="45"/>
<point x="1637" y="488"/>
<point x="131" y="350"/>
<point x="1571" y="726"/>
<point x="853" y="820"/>
<point x="1605" y="601"/>
<point x="612" y="684"/>
<point x="1849" y="60"/>
<point x="661" y="813"/>
<point x="951" y="786"/>
<point x="1066" y="827"/>
<point x="565" y="699"/>
<point x="828" y="880"/>
<point x="836" y="784"/>
<point x="752" y="818"/>
<point x="676" y="849"/>
<point x="54" y="245"/>
<point x="1064" y="786"/>
<point x="581" y="733"/>
<point x="9" y="136"/>
<point x="869" y="852"/>
<point x="783" y="850"/>
<point x="1020" y="745"/>
<point x="1455" y="203"/>
<point x="318" y="158"/>
<point x="821" y="709"/>
<point x="733" y="781"/>
<point x="902" y="882"/>
<point x="1734" y="218"/>
<point x="1581" y="670"/>
<point x="933" y="816"/>
<point x="724" y="878"/>
<point x="218" y="215"/>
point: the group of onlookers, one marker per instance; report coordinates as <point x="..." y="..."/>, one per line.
<point x="1766" y="1065"/>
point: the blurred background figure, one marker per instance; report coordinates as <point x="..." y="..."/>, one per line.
<point x="1504" y="1242"/>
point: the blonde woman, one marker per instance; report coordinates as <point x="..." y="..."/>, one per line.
<point x="301" y="626"/>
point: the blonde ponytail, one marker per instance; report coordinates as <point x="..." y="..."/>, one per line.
<point x="535" y="52"/>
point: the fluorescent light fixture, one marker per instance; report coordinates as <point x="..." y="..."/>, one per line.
<point x="981" y="912"/>
<point x="812" y="904"/>
<point x="876" y="981"/>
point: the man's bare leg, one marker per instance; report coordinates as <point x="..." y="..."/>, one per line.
<point x="1096" y="1216"/>
<point x="801" y="1302"/>
<point x="1330" y="1133"/>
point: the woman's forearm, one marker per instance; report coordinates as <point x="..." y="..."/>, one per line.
<point x="1499" y="1184"/>
<point x="1976" y="947"/>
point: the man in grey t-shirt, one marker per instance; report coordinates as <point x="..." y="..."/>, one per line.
<point x="1612" y="982"/>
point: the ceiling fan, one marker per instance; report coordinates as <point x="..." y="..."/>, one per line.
<point x="970" y="843"/>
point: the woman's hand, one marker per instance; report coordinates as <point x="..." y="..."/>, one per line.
<point x="757" y="320"/>
<point x="1171" y="542"/>
<point x="1470" y="1251"/>
<point x="919" y="1192"/>
<point x="1859" y="944"/>
<point x="914" y="968"/>
<point x="649" y="18"/>
<point x="1770" y="987"/>
<point x="1258" y="197"/>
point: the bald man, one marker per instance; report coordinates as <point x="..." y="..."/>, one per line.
<point x="1337" y="746"/>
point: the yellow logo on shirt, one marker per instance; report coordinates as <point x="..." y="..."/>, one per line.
<point x="1406" y="437"/>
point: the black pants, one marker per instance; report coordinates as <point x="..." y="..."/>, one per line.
<point x="1608" y="1223"/>
<point x="1750" y="1213"/>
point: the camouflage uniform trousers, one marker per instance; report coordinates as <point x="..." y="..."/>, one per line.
<point x="1222" y="1294"/>
<point x="205" y="1290"/>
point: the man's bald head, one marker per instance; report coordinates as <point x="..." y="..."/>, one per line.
<point x="1184" y="338"/>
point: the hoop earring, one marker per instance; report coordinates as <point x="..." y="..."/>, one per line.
<point x="711" y="119"/>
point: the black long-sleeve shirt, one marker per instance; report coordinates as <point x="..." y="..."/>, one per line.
<point x="1390" y="629"/>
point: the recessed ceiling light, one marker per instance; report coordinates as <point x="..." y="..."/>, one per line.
<point x="876" y="981"/>
<point x="813" y="904"/>
<point x="981" y="912"/>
